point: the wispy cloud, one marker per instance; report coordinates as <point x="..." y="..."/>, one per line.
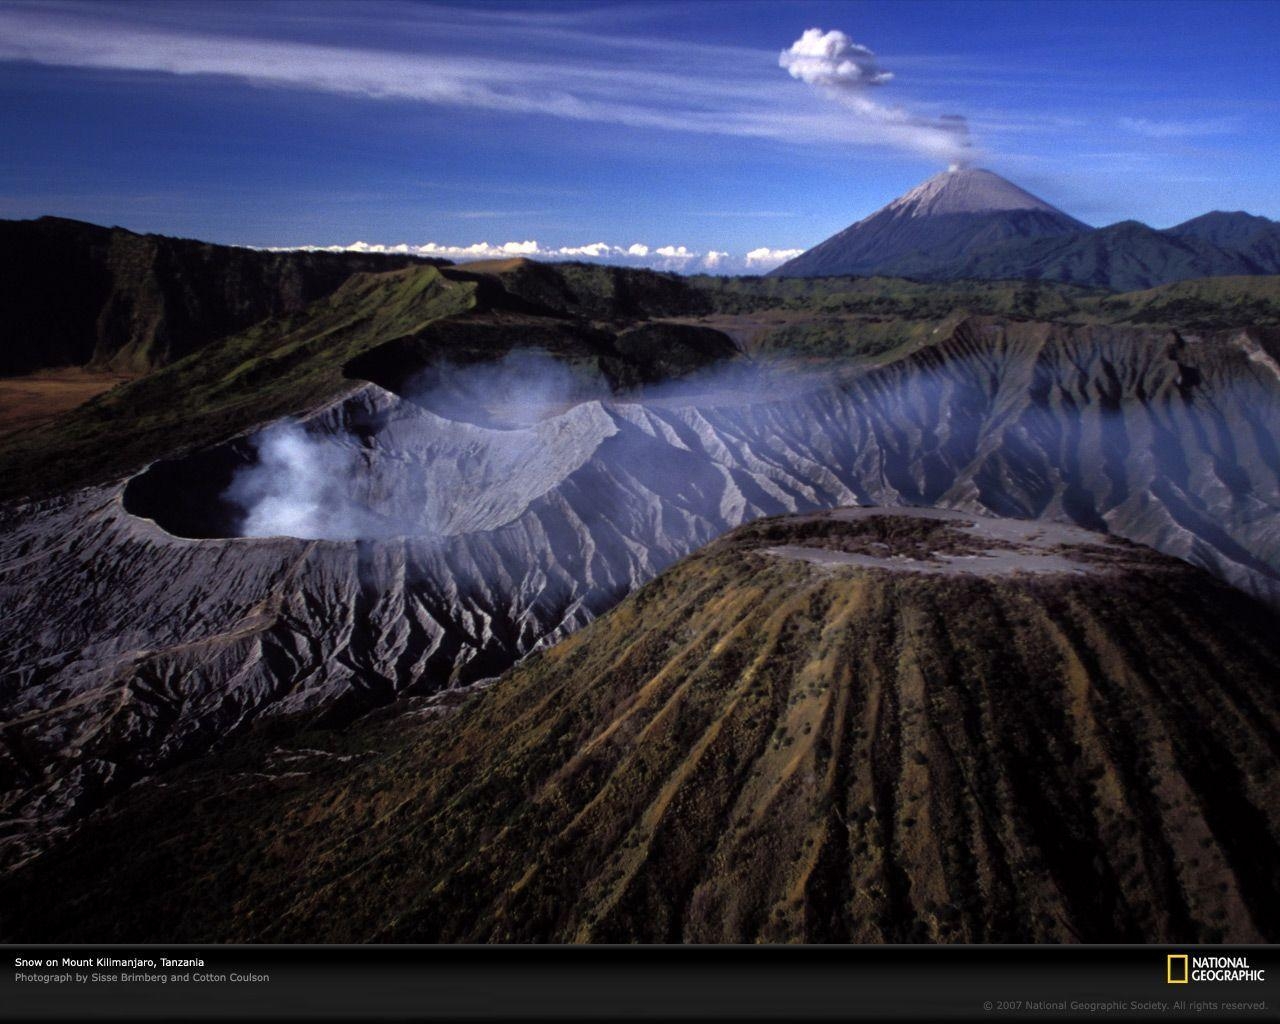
<point x="491" y="214"/>
<point x="572" y="73"/>
<point x="1181" y="129"/>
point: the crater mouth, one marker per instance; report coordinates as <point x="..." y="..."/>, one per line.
<point x="186" y="496"/>
<point x="424" y="449"/>
<point x="372" y="466"/>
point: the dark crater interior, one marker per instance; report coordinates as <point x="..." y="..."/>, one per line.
<point x="185" y="495"/>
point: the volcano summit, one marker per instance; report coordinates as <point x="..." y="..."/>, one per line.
<point x="972" y="223"/>
<point x="948" y="217"/>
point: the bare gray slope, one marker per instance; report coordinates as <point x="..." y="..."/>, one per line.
<point x="967" y="190"/>
<point x="939" y="221"/>
<point x="124" y="648"/>
<point x="1076" y="744"/>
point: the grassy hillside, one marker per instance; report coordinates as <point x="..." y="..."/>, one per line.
<point x="632" y="326"/>
<point x="1214" y="302"/>
<point x="77" y="294"/>
<point x="755" y="748"/>
<point x="1217" y="301"/>
<point x="880" y="317"/>
<point x="278" y="367"/>
<point x="379" y="327"/>
<point x="891" y="296"/>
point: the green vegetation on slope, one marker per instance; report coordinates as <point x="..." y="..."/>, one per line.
<point x="278" y="367"/>
<point x="634" y="327"/>
<point x="751" y="748"/>
<point x="1208" y="303"/>
<point x="893" y="297"/>
<point x="883" y="318"/>
<point x="77" y="294"/>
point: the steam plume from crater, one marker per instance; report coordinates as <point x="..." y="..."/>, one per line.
<point x="849" y="73"/>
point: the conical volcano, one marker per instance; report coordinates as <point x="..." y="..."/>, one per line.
<point x="948" y="217"/>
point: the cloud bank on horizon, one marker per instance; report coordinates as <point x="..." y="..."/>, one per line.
<point x="679" y="258"/>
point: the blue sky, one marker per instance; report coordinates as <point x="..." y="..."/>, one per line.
<point x="671" y="127"/>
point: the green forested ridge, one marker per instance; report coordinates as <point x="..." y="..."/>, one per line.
<point x="635" y="326"/>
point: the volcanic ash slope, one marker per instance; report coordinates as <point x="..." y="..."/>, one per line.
<point x="125" y="649"/>
<point x="857" y="726"/>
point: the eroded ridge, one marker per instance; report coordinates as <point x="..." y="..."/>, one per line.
<point x="125" y="649"/>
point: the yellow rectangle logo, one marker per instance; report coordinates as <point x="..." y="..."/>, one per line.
<point x="1177" y="970"/>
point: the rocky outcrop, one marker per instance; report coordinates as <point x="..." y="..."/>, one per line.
<point x="128" y="648"/>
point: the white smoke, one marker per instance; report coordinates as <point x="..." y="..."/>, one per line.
<point x="848" y="73"/>
<point x="522" y="389"/>
<point x="496" y="440"/>
<point x="466" y="448"/>
<point x="298" y="487"/>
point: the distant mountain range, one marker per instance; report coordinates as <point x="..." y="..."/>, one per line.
<point x="971" y="223"/>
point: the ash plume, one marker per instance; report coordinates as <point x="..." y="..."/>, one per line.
<point x="849" y="73"/>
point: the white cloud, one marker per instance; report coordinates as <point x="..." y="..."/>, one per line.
<point x="832" y="59"/>
<point x="595" y="250"/>
<point x="765" y="258"/>
<point x="638" y="254"/>
<point x="475" y="251"/>
<point x="847" y="72"/>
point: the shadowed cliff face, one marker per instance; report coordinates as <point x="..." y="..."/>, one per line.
<point x="78" y="294"/>
<point x="128" y="649"/>
<point x="868" y="726"/>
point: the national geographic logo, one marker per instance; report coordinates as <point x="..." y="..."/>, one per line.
<point x="1182" y="969"/>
